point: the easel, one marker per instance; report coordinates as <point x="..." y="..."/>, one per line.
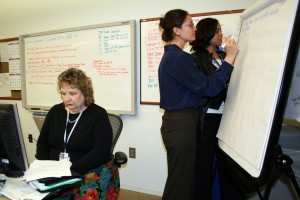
<point x="281" y="165"/>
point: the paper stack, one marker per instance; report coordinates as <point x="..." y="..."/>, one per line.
<point x="48" y="175"/>
<point x="47" y="168"/>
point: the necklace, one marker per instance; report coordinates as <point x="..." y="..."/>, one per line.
<point x="66" y="140"/>
<point x="73" y="120"/>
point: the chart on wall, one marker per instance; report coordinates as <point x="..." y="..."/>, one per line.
<point x="106" y="52"/>
<point x="152" y="49"/>
<point x="293" y="105"/>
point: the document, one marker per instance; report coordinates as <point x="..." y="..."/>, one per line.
<point x="5" y="85"/>
<point x="47" y="168"/>
<point x="17" y="189"/>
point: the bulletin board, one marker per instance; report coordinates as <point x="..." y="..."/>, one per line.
<point x="9" y="63"/>
<point x="152" y="48"/>
<point x="106" y="52"/>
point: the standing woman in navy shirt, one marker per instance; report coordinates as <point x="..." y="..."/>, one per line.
<point x="182" y="86"/>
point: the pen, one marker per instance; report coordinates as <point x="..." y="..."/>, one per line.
<point x="224" y="44"/>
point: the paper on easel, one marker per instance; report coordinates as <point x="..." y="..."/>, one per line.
<point x="47" y="168"/>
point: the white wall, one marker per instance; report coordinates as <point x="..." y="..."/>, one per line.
<point x="147" y="173"/>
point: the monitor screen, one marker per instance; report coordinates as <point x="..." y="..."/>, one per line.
<point x="13" y="159"/>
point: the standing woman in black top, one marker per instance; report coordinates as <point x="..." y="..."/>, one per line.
<point x="209" y="57"/>
<point x="78" y="130"/>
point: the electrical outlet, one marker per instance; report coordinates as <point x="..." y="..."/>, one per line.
<point x="30" y="138"/>
<point x="132" y="152"/>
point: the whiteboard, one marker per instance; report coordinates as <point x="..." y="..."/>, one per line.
<point x="152" y="48"/>
<point x="106" y="52"/>
<point x="256" y="81"/>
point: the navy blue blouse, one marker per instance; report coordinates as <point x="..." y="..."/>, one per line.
<point x="182" y="84"/>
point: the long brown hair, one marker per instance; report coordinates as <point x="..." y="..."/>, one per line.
<point x="206" y="30"/>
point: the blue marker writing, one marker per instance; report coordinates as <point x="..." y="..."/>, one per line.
<point x="224" y="44"/>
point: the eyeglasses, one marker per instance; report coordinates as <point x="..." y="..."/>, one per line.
<point x="190" y="25"/>
<point x="218" y="30"/>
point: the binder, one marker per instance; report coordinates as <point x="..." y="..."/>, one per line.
<point x="50" y="184"/>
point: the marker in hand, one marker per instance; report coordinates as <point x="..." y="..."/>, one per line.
<point x="224" y="44"/>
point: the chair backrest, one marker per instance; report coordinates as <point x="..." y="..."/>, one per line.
<point x="117" y="125"/>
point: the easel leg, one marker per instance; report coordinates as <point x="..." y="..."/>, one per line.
<point x="289" y="173"/>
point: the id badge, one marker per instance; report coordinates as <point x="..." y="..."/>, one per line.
<point x="64" y="156"/>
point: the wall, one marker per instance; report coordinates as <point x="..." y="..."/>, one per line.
<point x="147" y="173"/>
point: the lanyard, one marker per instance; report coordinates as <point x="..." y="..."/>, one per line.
<point x="66" y="140"/>
<point x="216" y="61"/>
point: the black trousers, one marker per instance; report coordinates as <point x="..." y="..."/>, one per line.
<point x="207" y="146"/>
<point x="179" y="136"/>
<point x="206" y="151"/>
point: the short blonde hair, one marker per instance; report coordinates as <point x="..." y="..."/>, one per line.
<point x="77" y="78"/>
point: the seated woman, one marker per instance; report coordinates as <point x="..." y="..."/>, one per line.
<point x="79" y="130"/>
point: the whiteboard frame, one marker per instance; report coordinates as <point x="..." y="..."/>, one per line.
<point x="132" y="25"/>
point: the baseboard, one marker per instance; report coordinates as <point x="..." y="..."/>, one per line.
<point x="142" y="190"/>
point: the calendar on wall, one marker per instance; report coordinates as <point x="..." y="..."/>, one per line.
<point x="14" y="65"/>
<point x="10" y="69"/>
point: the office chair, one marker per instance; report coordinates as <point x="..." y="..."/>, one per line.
<point x="116" y="122"/>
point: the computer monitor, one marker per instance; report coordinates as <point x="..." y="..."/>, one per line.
<point x="13" y="159"/>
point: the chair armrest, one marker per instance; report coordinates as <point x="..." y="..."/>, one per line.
<point x="120" y="158"/>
